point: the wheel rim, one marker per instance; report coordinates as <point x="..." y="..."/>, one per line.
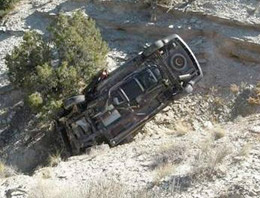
<point x="179" y="62"/>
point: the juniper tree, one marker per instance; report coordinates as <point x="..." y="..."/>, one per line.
<point x="50" y="70"/>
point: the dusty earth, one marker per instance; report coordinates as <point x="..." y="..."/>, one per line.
<point x="204" y="145"/>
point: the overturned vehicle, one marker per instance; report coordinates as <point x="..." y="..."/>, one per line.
<point x="114" y="106"/>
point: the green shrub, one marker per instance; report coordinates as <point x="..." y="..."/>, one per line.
<point x="79" y="43"/>
<point x="5" y="6"/>
<point x="24" y="59"/>
<point x="50" y="70"/>
<point x="35" y="100"/>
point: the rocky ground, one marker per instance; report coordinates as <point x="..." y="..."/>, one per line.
<point x="212" y="161"/>
<point x="204" y="145"/>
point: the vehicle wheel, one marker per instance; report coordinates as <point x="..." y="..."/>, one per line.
<point x="70" y="102"/>
<point x="151" y="49"/>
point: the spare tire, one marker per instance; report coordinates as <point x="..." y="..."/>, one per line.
<point x="70" y="102"/>
<point x="152" y="48"/>
<point x="178" y="62"/>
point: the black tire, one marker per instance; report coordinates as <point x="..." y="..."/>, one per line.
<point x="70" y="102"/>
<point x="154" y="47"/>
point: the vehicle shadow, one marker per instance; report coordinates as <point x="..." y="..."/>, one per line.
<point x="23" y="145"/>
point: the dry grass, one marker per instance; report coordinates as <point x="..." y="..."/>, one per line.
<point x="207" y="161"/>
<point x="95" y="189"/>
<point x="182" y="128"/>
<point x="245" y="150"/>
<point x="168" y="156"/>
<point x="162" y="171"/>
<point x="213" y="90"/>
<point x="6" y="171"/>
<point x="254" y="98"/>
<point x="167" y="147"/>
<point x="45" y="173"/>
<point x="218" y="101"/>
<point x="169" y="153"/>
<point x="169" y="3"/>
<point x="49" y="189"/>
<point x="221" y="153"/>
<point x="179" y="128"/>
<point x="234" y="88"/>
<point x="218" y="132"/>
<point x="54" y="159"/>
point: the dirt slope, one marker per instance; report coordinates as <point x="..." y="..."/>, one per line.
<point x="161" y="162"/>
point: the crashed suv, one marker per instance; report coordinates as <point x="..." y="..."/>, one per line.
<point x="114" y="106"/>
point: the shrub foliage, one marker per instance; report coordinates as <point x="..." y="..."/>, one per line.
<point x="5" y="6"/>
<point x="50" y="70"/>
